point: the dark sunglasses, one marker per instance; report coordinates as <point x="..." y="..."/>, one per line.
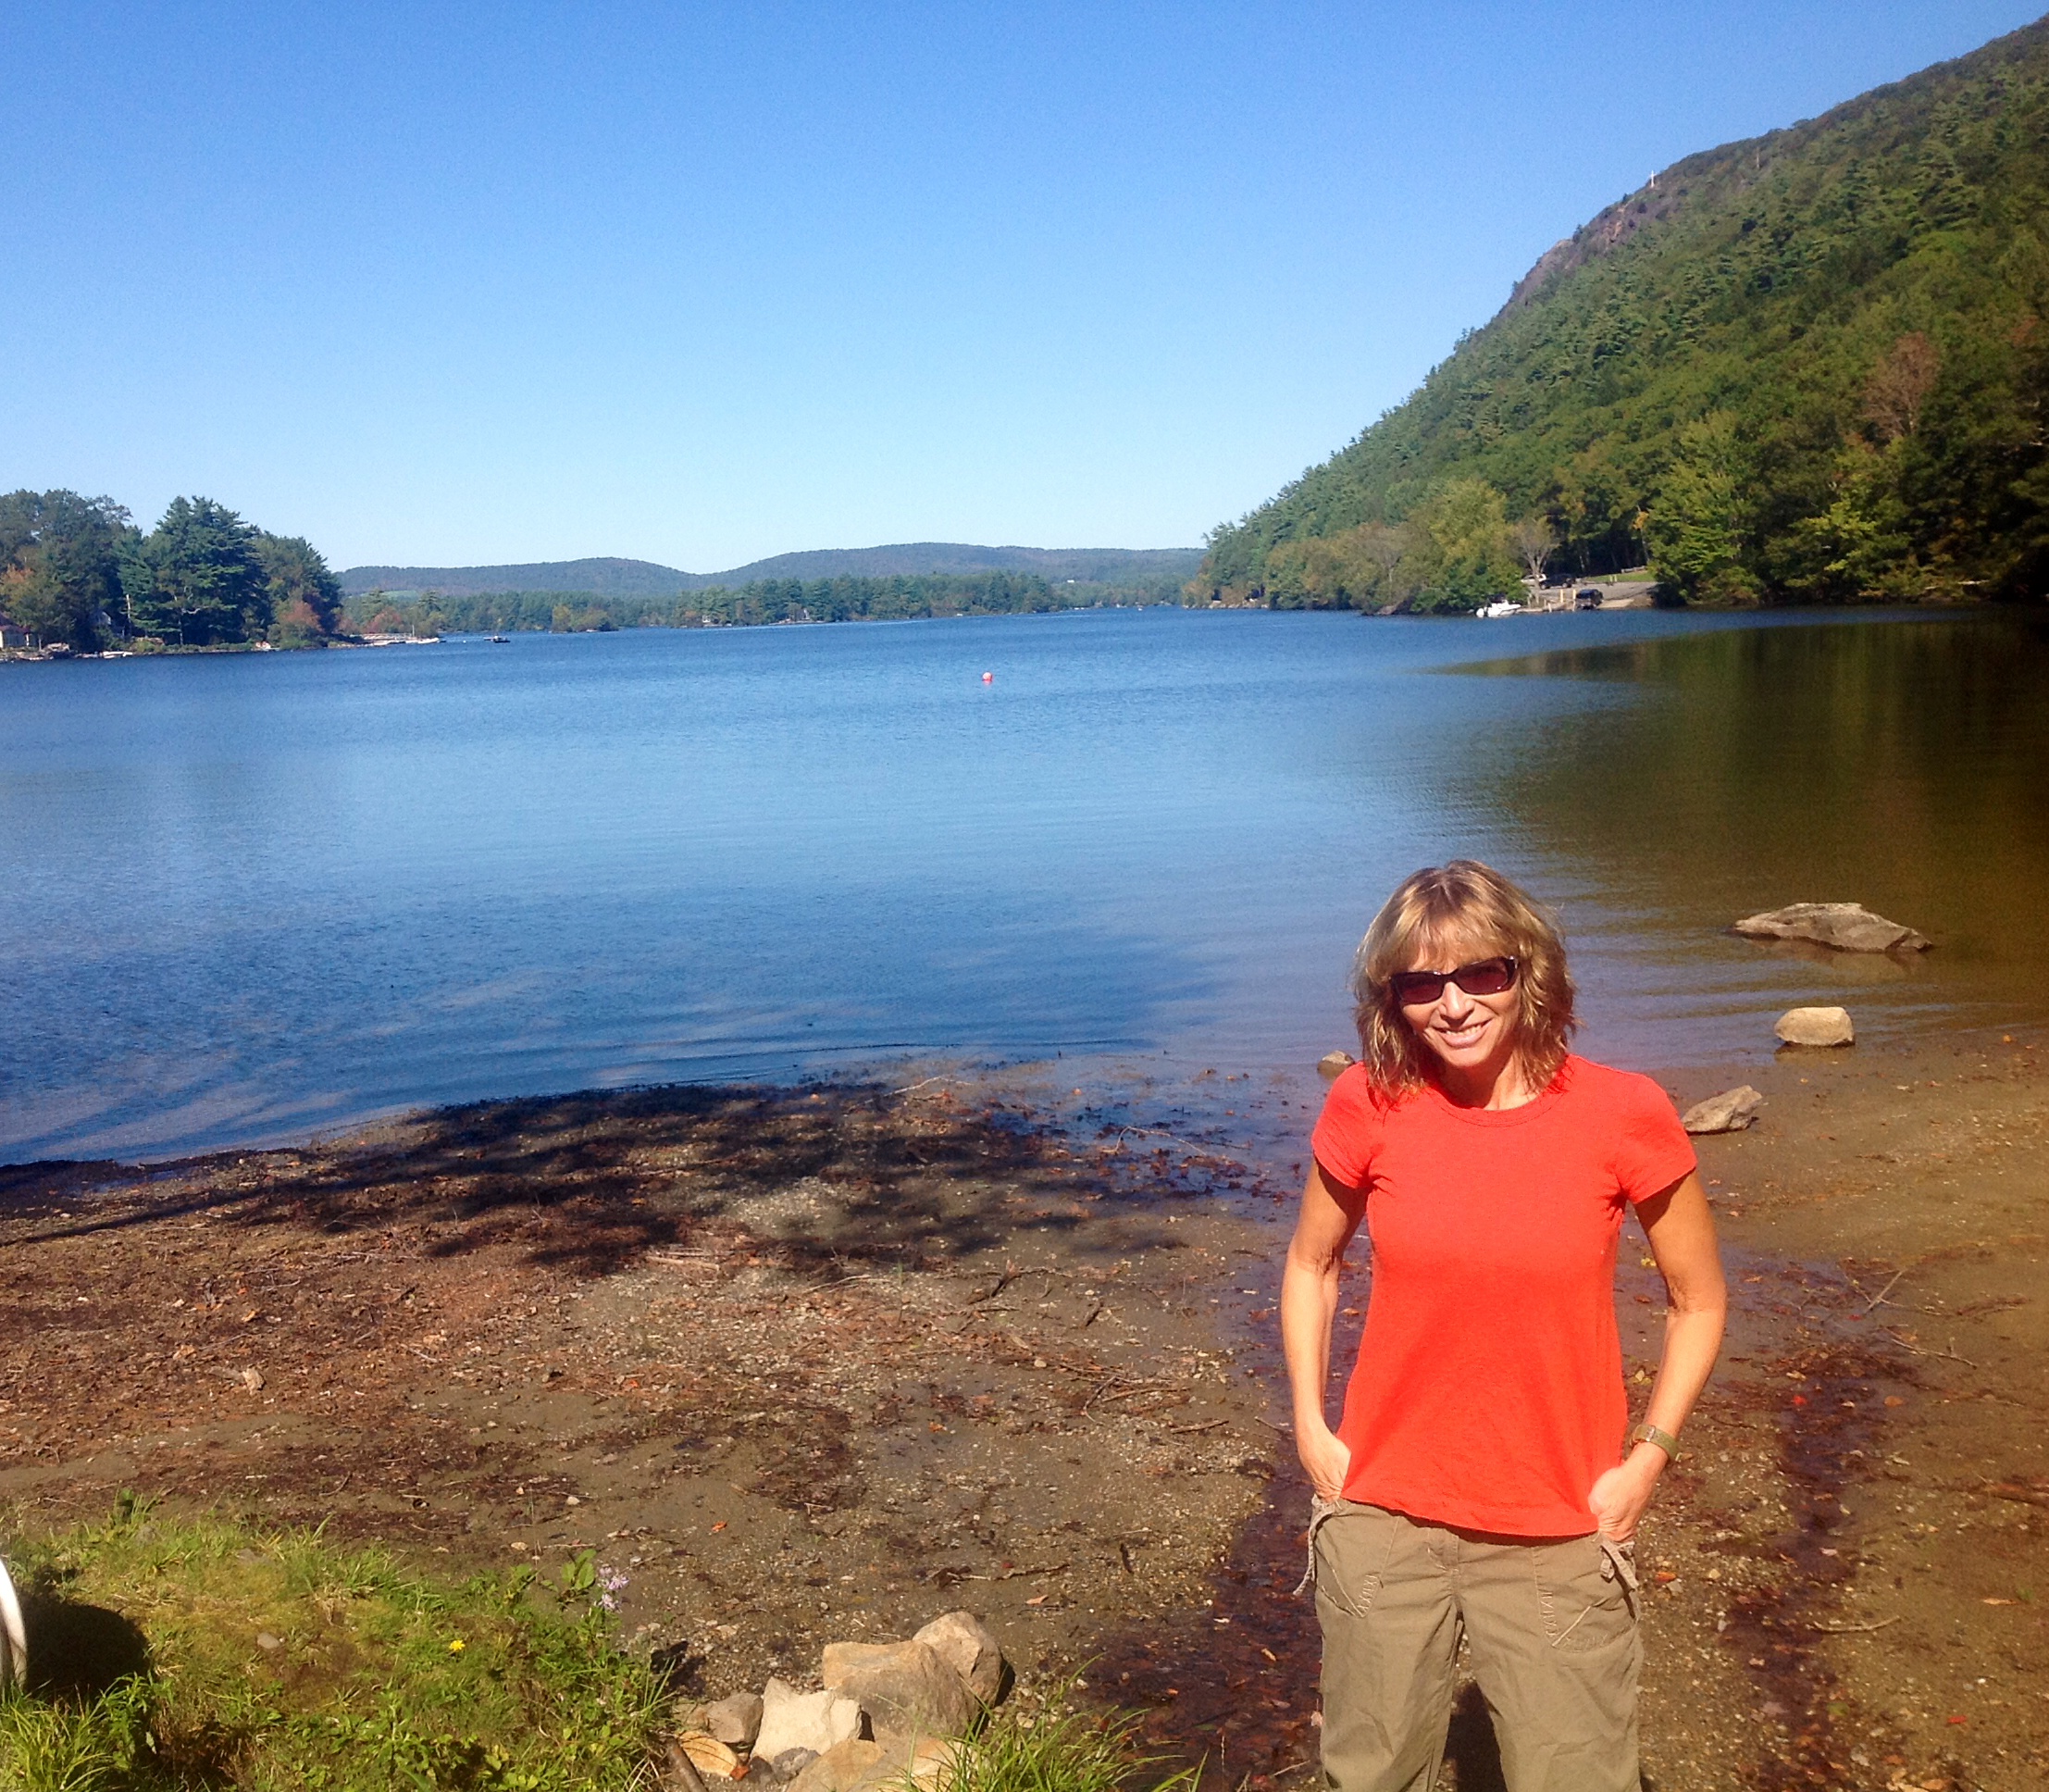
<point x="1486" y="977"/>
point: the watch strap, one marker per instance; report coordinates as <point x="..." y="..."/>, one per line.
<point x="1647" y="1433"/>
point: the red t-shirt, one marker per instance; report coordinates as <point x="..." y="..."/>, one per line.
<point x="1488" y="1391"/>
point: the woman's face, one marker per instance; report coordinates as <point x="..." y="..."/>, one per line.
<point x="1471" y="1036"/>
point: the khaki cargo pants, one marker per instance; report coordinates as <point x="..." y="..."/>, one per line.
<point x="1551" y="1628"/>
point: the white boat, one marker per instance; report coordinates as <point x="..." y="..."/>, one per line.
<point x="1499" y="607"/>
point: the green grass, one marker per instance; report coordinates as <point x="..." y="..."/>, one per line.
<point x="382" y="1677"/>
<point x="1058" y="1749"/>
<point x="373" y="1676"/>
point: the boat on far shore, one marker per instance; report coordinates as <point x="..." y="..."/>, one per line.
<point x="1500" y="607"/>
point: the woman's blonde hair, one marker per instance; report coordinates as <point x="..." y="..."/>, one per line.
<point x="1470" y="906"/>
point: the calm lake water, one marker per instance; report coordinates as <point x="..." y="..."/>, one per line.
<point x="247" y="898"/>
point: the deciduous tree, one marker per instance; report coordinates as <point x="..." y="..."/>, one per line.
<point x="60" y="564"/>
<point x="305" y="597"/>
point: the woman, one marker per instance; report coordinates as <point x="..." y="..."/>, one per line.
<point x="1479" y="1484"/>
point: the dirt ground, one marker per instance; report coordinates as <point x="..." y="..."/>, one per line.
<point x="822" y="1364"/>
<point x="803" y="1366"/>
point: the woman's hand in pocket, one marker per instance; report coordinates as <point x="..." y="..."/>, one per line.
<point x="1325" y="1458"/>
<point x="1620" y="1497"/>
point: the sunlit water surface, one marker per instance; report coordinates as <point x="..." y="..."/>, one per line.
<point x="247" y="898"/>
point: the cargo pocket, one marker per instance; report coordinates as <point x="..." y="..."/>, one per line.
<point x="1586" y="1591"/>
<point x="1352" y="1548"/>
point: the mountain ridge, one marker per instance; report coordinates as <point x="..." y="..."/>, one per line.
<point x="607" y="577"/>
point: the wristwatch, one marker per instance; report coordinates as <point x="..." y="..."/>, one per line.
<point x="1647" y="1433"/>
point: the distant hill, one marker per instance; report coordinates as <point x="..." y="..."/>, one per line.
<point x="1810" y="366"/>
<point x="609" y="578"/>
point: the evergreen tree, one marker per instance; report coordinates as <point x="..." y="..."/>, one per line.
<point x="196" y="578"/>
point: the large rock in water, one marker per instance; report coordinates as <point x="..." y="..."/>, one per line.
<point x="1816" y="1026"/>
<point x="964" y="1643"/>
<point x="906" y="1688"/>
<point x="1847" y="927"/>
<point x="817" y="1721"/>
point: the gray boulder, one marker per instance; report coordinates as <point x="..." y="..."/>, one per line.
<point x="905" y="1688"/>
<point x="817" y="1721"/>
<point x="1816" y="1026"/>
<point x="790" y="1762"/>
<point x="1847" y="927"/>
<point x="736" y="1721"/>
<point x="1730" y="1111"/>
<point x="1333" y="1065"/>
<point x="965" y="1644"/>
<point x="840" y="1768"/>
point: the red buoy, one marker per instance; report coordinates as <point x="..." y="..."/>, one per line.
<point x="988" y="678"/>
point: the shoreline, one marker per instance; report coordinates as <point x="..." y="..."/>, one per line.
<point x="815" y="1363"/>
<point x="1755" y="616"/>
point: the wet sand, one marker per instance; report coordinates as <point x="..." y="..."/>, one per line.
<point x="823" y="1363"/>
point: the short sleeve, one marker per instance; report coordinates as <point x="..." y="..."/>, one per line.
<point x="1652" y="1151"/>
<point x="1347" y="1131"/>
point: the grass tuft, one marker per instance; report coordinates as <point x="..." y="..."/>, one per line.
<point x="278" y="1661"/>
<point x="1058" y="1748"/>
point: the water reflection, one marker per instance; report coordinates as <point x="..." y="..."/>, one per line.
<point x="1902" y="767"/>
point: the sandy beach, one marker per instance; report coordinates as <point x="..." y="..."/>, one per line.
<point x="819" y="1363"/>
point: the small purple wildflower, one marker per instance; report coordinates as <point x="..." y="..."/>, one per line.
<point x="610" y="1580"/>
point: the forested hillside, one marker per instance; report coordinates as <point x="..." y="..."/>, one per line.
<point x="1808" y="368"/>
<point x="645" y="579"/>
<point x="844" y="599"/>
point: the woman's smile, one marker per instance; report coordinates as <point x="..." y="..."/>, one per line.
<point x="1472" y="1036"/>
<point x="1458" y="1035"/>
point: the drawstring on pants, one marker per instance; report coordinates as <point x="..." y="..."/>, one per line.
<point x="1320" y="1512"/>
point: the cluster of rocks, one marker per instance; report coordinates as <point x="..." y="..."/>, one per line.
<point x="1841" y="926"/>
<point x="887" y="1712"/>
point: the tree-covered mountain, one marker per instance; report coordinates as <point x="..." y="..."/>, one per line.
<point x="1811" y="367"/>
<point x="632" y="578"/>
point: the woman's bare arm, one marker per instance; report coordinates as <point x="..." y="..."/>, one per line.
<point x="1330" y="1214"/>
<point x="1681" y="1234"/>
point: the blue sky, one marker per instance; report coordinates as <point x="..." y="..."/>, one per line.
<point x="700" y="283"/>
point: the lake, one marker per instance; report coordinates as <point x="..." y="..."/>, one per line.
<point x="250" y="897"/>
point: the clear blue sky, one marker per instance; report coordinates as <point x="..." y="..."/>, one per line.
<point x="699" y="284"/>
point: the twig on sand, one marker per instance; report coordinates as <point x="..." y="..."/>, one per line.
<point x="1877" y="1299"/>
<point x="1941" y="1356"/>
<point x="1856" y="1630"/>
<point x="1187" y="1145"/>
<point x="1003" y="1281"/>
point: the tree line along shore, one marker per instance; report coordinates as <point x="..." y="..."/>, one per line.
<point x="76" y="576"/>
